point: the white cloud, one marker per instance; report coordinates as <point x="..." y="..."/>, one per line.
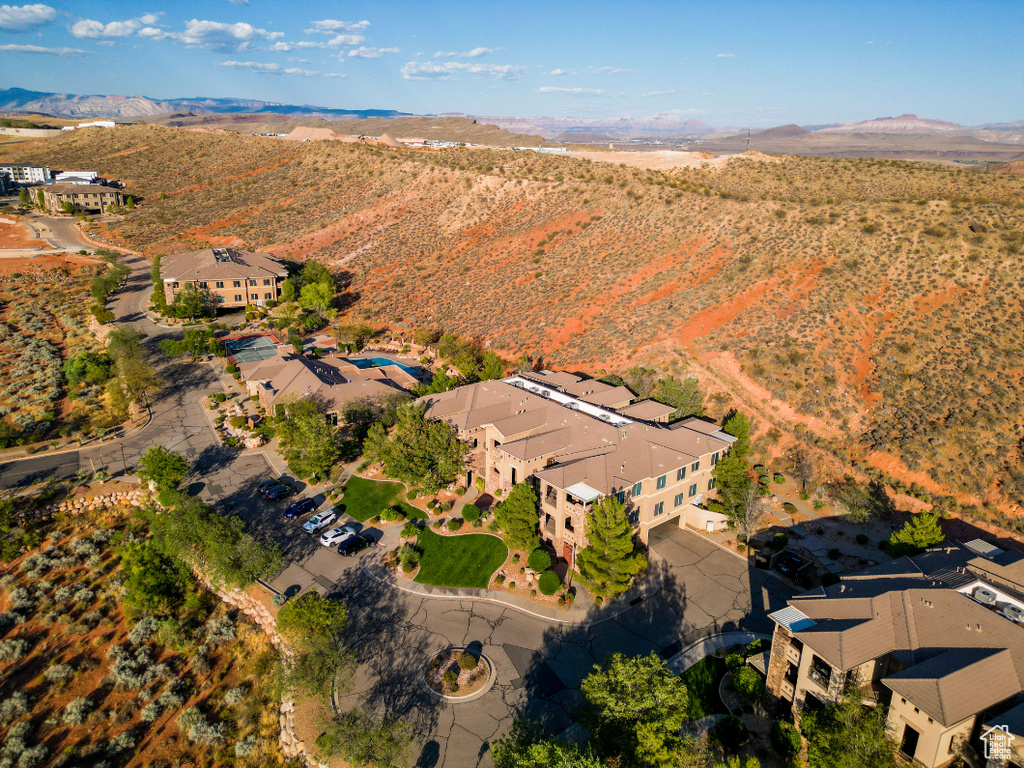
<point x="870" y="42"/>
<point x="239" y="2"/>
<point x="261" y="68"/>
<point x="427" y="70"/>
<point x="725" y="56"/>
<point x="612" y="70"/>
<point x="340" y="40"/>
<point x="213" y="35"/>
<point x="473" y="54"/>
<point x="18" y="18"/>
<point x="150" y="18"/>
<point x="47" y="51"/>
<point x="651" y="94"/>
<point x="330" y="26"/>
<point x="572" y="91"/>
<point x="362" y="52"/>
<point x="91" y="29"/>
<point x="558" y="72"/>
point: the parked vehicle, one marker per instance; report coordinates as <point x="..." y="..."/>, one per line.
<point x="335" y="536"/>
<point x="788" y="564"/>
<point x="278" y="491"/>
<point x="355" y="544"/>
<point x="319" y="521"/>
<point x="266" y="485"/>
<point x="300" y="507"/>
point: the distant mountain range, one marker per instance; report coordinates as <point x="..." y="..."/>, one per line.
<point x="620" y="127"/>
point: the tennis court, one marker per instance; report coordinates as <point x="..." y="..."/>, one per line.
<point x="251" y="349"/>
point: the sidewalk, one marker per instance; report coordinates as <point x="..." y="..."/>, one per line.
<point x="687" y="657"/>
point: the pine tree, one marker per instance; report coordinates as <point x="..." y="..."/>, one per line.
<point x="609" y="561"/>
<point x="738" y="426"/>
<point x="518" y="519"/>
<point x="919" y="532"/>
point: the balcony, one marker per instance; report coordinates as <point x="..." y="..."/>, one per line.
<point x="821" y="675"/>
<point x="793" y="655"/>
<point x="549" y="525"/>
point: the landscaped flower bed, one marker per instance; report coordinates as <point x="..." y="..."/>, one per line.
<point x="457" y="672"/>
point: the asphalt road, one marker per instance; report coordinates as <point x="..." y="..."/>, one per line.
<point x="539" y="664"/>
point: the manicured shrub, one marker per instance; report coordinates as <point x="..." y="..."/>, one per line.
<point x="785" y="739"/>
<point x="470" y="513"/>
<point x="231" y="368"/>
<point x="460" y="491"/>
<point x="436" y="525"/>
<point x="499" y="579"/>
<point x="731" y="733"/>
<point x="410" y="530"/>
<point x="548" y="583"/>
<point x="468" y="660"/>
<point x="237" y="422"/>
<point x="220" y="397"/>
<point x="780" y="540"/>
<point x="733" y="661"/>
<point x="779" y="477"/>
<point x="749" y="683"/>
<point x="454" y="524"/>
<point x="862" y="539"/>
<point x="539" y="560"/>
<point x="451" y="679"/>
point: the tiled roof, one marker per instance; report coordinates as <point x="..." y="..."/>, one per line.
<point x="647" y="409"/>
<point x="219" y="264"/>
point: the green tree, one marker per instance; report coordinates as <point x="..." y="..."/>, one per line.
<point x="526" y="746"/>
<point x="738" y="426"/>
<point x="420" y="451"/>
<point x="129" y="203"/>
<point x="23" y="196"/>
<point x="288" y="290"/>
<point x="68" y="207"/>
<point x="313" y="272"/>
<point x="635" y="708"/>
<point x="518" y="518"/>
<point x="309" y="443"/>
<point x="609" y="561"/>
<point x="40" y="199"/>
<point x="135" y="378"/>
<point x="87" y="368"/>
<point x="317" y="297"/>
<point x="749" y="683"/>
<point x="364" y="741"/>
<point x="732" y="483"/>
<point x="311" y="616"/>
<point x="153" y="582"/>
<point x="848" y="735"/>
<point x="686" y="397"/>
<point x="918" y="533"/>
<point x="190" y="303"/>
<point x="164" y="467"/>
<point x="491" y="367"/>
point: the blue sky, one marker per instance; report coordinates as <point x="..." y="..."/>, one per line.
<point x="727" y="63"/>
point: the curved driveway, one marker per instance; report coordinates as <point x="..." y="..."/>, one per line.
<point x="539" y="664"/>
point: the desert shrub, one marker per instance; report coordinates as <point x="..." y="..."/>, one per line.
<point x="33" y="757"/>
<point x="124" y="742"/>
<point x="749" y="683"/>
<point x="76" y="711"/>
<point x="785" y="739"/>
<point x="150" y="712"/>
<point x="175" y="695"/>
<point x="220" y="631"/>
<point x="59" y="673"/>
<point x="548" y="583"/>
<point x="64" y="594"/>
<point x="12" y="650"/>
<point x="468" y="660"/>
<point x="83" y="595"/>
<point x="13" y="707"/>
<point x="451" y="679"/>
<point x="83" y="547"/>
<point x="214" y="734"/>
<point x="539" y="560"/>
<point x="235" y="695"/>
<point x="144" y="629"/>
<point x="17" y="739"/>
<point x="245" y="747"/>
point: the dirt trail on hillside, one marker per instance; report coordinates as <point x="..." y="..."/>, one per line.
<point x="666" y="159"/>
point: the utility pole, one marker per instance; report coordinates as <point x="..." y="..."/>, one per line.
<point x="748" y="138"/>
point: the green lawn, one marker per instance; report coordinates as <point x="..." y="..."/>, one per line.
<point x="467" y="560"/>
<point x="367" y="498"/>
<point x="702" y="680"/>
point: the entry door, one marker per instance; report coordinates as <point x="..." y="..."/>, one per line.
<point x="567" y="554"/>
<point x="910" y="738"/>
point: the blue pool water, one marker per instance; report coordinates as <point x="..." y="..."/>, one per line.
<point x="380" y="362"/>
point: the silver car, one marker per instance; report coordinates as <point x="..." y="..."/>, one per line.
<point x="337" y="535"/>
<point x="319" y="521"/>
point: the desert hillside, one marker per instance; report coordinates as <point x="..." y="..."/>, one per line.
<point x="874" y="304"/>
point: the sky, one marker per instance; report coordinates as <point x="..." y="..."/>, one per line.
<point x="759" y="63"/>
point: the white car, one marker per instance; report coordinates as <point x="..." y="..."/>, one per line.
<point x="335" y="536"/>
<point x="319" y="521"/>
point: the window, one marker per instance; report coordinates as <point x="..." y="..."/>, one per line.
<point x="174" y="285"/>
<point x="711" y="484"/>
<point x="621" y="496"/>
<point x="267" y="296"/>
<point x="568" y="525"/>
<point x="203" y="284"/>
<point x="714" y="458"/>
<point x="680" y="498"/>
<point x="693" y="490"/>
<point x="254" y="296"/>
<point x="659" y="508"/>
<point x="238" y="297"/>
<point x="252" y="282"/>
<point x="266" y="281"/>
<point x="695" y="466"/>
<point x="220" y="283"/>
<point x="661" y="482"/>
<point x="820" y="672"/>
<point x="637" y="488"/>
<point x="236" y="283"/>
<point x="681" y="474"/>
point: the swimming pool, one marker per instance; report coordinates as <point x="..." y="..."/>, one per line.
<point x="380" y="362"/>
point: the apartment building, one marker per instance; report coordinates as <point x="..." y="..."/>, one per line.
<point x="86" y="198"/>
<point x="21" y="173"/>
<point x="936" y="639"/>
<point x="563" y="434"/>
<point x="231" y="278"/>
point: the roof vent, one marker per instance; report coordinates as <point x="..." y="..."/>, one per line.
<point x="1014" y="613"/>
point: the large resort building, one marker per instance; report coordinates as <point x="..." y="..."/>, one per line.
<point x="83" y="198"/>
<point x="937" y="639"/>
<point x="578" y="440"/>
<point x="231" y="278"/>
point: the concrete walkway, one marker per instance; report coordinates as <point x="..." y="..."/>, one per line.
<point x="687" y="657"/>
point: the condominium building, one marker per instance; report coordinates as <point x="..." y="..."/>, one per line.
<point x="231" y="278"/>
<point x="936" y="639"/>
<point x="21" y="173"/>
<point x="85" y="198"/>
<point x="564" y="435"/>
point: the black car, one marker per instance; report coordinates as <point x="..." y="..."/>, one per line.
<point x="300" y="507"/>
<point x="278" y="491"/>
<point x="353" y="545"/>
<point x="266" y="485"/>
